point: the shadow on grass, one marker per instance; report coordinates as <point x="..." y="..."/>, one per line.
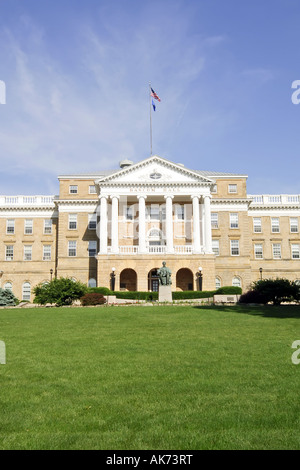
<point x="272" y="311"/>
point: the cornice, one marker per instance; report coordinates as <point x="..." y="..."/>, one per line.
<point x="230" y="201"/>
<point x="77" y="201"/>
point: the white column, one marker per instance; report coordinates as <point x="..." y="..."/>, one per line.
<point x="196" y="225"/>
<point x="103" y="224"/>
<point x="169" y="224"/>
<point x="207" y="225"/>
<point x="115" y="224"/>
<point x="142" y="223"/>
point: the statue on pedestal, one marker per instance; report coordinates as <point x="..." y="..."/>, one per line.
<point x="164" y="275"/>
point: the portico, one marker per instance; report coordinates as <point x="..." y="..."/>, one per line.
<point x="150" y="210"/>
<point x="179" y="210"/>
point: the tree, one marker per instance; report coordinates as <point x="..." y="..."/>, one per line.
<point x="62" y="291"/>
<point x="7" y="298"/>
<point x="277" y="290"/>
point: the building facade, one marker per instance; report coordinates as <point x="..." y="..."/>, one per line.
<point x="115" y="228"/>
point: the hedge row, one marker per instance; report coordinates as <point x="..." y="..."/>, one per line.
<point x="177" y="295"/>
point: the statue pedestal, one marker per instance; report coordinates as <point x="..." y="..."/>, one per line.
<point x="164" y="294"/>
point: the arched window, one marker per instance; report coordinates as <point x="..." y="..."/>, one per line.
<point x="236" y="281"/>
<point x="26" y="291"/>
<point x="218" y="282"/>
<point x="92" y="282"/>
<point x="8" y="286"/>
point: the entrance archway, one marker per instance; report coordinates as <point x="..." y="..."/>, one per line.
<point x="153" y="281"/>
<point x="128" y="280"/>
<point x="184" y="279"/>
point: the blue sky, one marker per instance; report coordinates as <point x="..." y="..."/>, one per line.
<point x="77" y="76"/>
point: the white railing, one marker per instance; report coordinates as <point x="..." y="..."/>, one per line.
<point x="153" y="249"/>
<point x="128" y="250"/>
<point x="183" y="249"/>
<point x="268" y="199"/>
<point x="26" y="200"/>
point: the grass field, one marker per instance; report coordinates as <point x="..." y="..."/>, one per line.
<point x="134" y="377"/>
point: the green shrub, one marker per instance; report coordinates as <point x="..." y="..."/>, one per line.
<point x="7" y="298"/>
<point x="92" y="298"/>
<point x="62" y="291"/>
<point x="192" y="294"/>
<point x="135" y="295"/>
<point x="100" y="290"/>
<point x="252" y="297"/>
<point x="277" y="290"/>
<point x="229" y="290"/>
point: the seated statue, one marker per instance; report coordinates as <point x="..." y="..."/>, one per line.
<point x="164" y="275"/>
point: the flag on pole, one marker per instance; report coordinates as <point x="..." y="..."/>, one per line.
<point x="153" y="104"/>
<point x="154" y="95"/>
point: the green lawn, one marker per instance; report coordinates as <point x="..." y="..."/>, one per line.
<point x="135" y="377"/>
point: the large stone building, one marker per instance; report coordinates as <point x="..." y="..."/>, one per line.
<point x="123" y="223"/>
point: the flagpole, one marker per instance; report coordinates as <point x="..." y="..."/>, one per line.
<point x="150" y="120"/>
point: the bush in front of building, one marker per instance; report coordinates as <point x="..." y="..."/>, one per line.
<point x="100" y="290"/>
<point x="229" y="290"/>
<point x="275" y="291"/>
<point x="252" y="297"/>
<point x="7" y="298"/>
<point x="92" y="298"/>
<point x="62" y="291"/>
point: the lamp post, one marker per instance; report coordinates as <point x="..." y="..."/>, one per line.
<point x="51" y="273"/>
<point x="261" y="270"/>
<point x="113" y="279"/>
<point x="200" y="278"/>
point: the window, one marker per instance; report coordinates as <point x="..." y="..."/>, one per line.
<point x="234" y="247"/>
<point x="232" y="188"/>
<point x="92" y="189"/>
<point x="72" y="221"/>
<point x="218" y="282"/>
<point x="9" y="253"/>
<point x="8" y="286"/>
<point x="10" y="226"/>
<point x="179" y="211"/>
<point x="129" y="212"/>
<point x="294" y="224"/>
<point x="276" y="250"/>
<point x="92" y="221"/>
<point x="236" y="281"/>
<point x="72" y="248"/>
<point x="214" y="220"/>
<point x="27" y="252"/>
<point x="258" y="251"/>
<point x="28" y="227"/>
<point x="154" y="212"/>
<point x="47" y="226"/>
<point x="215" y="247"/>
<point x="214" y="189"/>
<point x="295" y="251"/>
<point x="257" y="224"/>
<point x="26" y="291"/>
<point x="92" y="282"/>
<point x="47" y="253"/>
<point x="73" y="189"/>
<point x="234" y="220"/>
<point x="92" y="248"/>
<point x="275" y="224"/>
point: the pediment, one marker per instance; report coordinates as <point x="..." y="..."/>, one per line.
<point x="155" y="170"/>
